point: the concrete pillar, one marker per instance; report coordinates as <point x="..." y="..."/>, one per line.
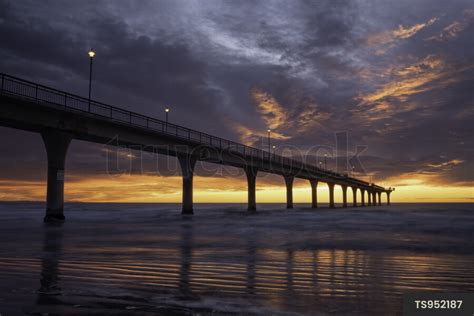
<point x="362" y="201"/>
<point x="344" y="195"/>
<point x="56" y="144"/>
<point x="380" y="197"/>
<point x="388" y="197"/>
<point x="369" y="198"/>
<point x="187" y="163"/>
<point x="331" y="195"/>
<point x="314" y="193"/>
<point x="354" y="196"/>
<point x="374" y="198"/>
<point x="251" y="183"/>
<point x="289" y="191"/>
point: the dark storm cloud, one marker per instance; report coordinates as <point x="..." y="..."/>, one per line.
<point x="395" y="75"/>
<point x="151" y="73"/>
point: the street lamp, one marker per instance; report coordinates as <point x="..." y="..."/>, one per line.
<point x="320" y="164"/>
<point x="274" y="147"/>
<point x="269" y="132"/>
<point x="353" y="170"/>
<point x="91" y="57"/>
<point x="167" y="110"/>
<point x="326" y="161"/>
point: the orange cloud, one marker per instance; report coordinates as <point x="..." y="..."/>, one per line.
<point x="392" y="97"/>
<point x="455" y="28"/>
<point x="250" y="136"/>
<point x="450" y="163"/>
<point x="270" y="110"/>
<point x="310" y="118"/>
<point x="402" y="32"/>
<point x="277" y="119"/>
<point x="428" y="74"/>
<point x="409" y="80"/>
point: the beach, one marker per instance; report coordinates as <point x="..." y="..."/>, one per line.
<point x="148" y="259"/>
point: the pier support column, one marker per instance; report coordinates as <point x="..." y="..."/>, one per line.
<point x="289" y="191"/>
<point x="374" y="198"/>
<point x="331" y="195"/>
<point x="56" y="144"/>
<point x="251" y="183"/>
<point x="354" y="196"/>
<point x="187" y="163"/>
<point x="369" y="198"/>
<point x="344" y="195"/>
<point x="380" y="198"/>
<point x="388" y="197"/>
<point x="362" y="200"/>
<point x="314" y="193"/>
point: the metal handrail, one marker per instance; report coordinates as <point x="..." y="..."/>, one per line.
<point x="40" y="93"/>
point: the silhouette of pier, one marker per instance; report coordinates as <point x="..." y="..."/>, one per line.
<point x="61" y="117"/>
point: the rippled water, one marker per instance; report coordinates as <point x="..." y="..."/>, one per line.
<point x="147" y="259"/>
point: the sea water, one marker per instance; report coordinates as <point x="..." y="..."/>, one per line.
<point x="148" y="259"/>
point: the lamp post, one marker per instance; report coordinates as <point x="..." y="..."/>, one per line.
<point x="167" y="110"/>
<point x="320" y="165"/>
<point x="269" y="132"/>
<point x="274" y="147"/>
<point x="352" y="174"/>
<point x="326" y="161"/>
<point x="91" y="57"/>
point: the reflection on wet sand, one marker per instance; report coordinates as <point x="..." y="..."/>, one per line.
<point x="193" y="268"/>
<point x="50" y="289"/>
<point x="186" y="259"/>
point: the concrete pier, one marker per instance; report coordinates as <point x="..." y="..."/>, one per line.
<point x="354" y="196"/>
<point x="331" y="195"/>
<point x="314" y="193"/>
<point x="289" y="191"/>
<point x="187" y="163"/>
<point x="56" y="143"/>
<point x="58" y="121"/>
<point x="362" y="197"/>
<point x="251" y="182"/>
<point x="369" y="198"/>
<point x="344" y="195"/>
<point x="380" y="197"/>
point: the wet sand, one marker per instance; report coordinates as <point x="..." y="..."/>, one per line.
<point x="147" y="259"/>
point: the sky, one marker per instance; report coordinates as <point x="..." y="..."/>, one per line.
<point x="387" y="83"/>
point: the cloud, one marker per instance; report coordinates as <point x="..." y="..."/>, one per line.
<point x="409" y="80"/>
<point x="455" y="28"/>
<point x="254" y="137"/>
<point x="402" y="32"/>
<point x="233" y="69"/>
<point x="285" y="122"/>
<point x="270" y="110"/>
<point x="311" y="118"/>
<point x="401" y="94"/>
<point x="446" y="164"/>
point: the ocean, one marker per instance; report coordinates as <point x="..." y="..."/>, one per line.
<point x="148" y="259"/>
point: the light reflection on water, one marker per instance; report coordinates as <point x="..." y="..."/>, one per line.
<point x="251" y="277"/>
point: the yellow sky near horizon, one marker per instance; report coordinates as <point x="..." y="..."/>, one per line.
<point x="144" y="188"/>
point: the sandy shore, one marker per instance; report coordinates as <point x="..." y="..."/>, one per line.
<point x="145" y="259"/>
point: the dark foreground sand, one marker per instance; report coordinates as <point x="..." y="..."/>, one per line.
<point x="143" y="259"/>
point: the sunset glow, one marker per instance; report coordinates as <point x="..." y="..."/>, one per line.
<point x="155" y="189"/>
